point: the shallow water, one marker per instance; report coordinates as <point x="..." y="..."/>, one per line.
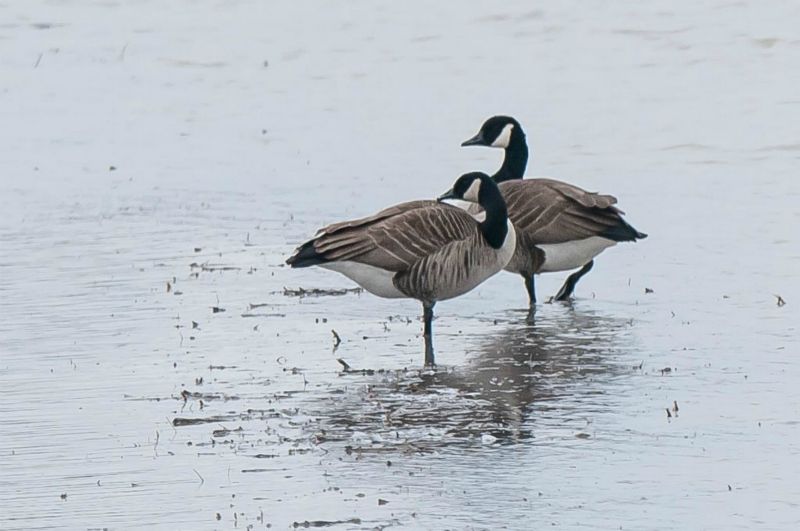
<point x="160" y="163"/>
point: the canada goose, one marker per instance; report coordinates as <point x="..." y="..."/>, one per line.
<point x="559" y="226"/>
<point x="424" y="250"/>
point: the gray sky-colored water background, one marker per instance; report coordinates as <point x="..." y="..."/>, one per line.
<point x="158" y="368"/>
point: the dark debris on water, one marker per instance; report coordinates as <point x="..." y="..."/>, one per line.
<point x="317" y="292"/>
<point x="336" y="342"/>
<point x="179" y="421"/>
<point x="325" y="523"/>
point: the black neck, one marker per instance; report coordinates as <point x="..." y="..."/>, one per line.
<point x="516" y="158"/>
<point x="495" y="227"/>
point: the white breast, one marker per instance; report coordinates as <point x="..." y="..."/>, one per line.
<point x="572" y="255"/>
<point x="373" y="279"/>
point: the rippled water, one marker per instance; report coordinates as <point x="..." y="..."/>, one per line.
<point x="161" y="161"/>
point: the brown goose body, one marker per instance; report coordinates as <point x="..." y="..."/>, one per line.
<point x="424" y="250"/>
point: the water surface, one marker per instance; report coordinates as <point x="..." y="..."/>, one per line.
<point x="161" y="161"/>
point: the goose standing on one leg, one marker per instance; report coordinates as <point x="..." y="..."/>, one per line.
<point x="424" y="250"/>
<point x="559" y="226"/>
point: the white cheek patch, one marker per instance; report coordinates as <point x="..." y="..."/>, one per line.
<point x="473" y="191"/>
<point x="504" y="137"/>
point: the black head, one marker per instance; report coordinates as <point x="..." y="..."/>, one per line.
<point x="469" y="187"/>
<point x="477" y="187"/>
<point x="497" y="131"/>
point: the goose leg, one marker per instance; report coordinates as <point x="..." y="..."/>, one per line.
<point x="428" y="317"/>
<point x="531" y="317"/>
<point x="531" y="289"/>
<point x="569" y="285"/>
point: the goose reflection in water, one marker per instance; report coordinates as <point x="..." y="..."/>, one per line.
<point x="529" y="372"/>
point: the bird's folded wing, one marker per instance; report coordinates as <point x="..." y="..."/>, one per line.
<point x="386" y="213"/>
<point x="548" y="211"/>
<point x="396" y="237"/>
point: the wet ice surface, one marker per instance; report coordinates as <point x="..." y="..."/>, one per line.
<point x="236" y="129"/>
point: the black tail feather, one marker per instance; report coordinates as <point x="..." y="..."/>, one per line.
<point x="623" y="232"/>
<point x="306" y="256"/>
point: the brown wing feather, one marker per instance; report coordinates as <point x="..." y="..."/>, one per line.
<point x="383" y="214"/>
<point x="397" y="237"/>
<point x="577" y="194"/>
<point x="548" y="211"/>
